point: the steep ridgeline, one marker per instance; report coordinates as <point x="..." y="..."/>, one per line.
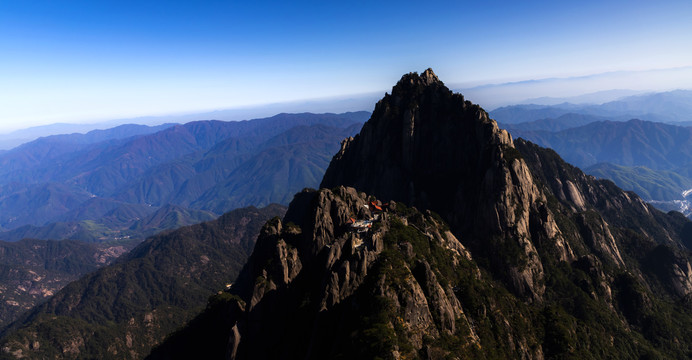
<point x="123" y="309"/>
<point x="538" y="260"/>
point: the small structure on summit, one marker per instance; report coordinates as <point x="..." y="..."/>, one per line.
<point x="360" y="226"/>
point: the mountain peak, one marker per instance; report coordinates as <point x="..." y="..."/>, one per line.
<point x="477" y="241"/>
<point x="419" y="142"/>
<point x="427" y="147"/>
<point x="414" y="84"/>
<point x="430" y="76"/>
<point x="427" y="78"/>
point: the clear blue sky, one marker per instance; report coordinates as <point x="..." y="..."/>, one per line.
<point x="77" y="61"/>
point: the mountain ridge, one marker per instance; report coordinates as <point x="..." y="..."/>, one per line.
<point x="672" y="106"/>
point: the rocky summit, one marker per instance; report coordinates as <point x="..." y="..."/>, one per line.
<point x="437" y="236"/>
<point x="429" y="148"/>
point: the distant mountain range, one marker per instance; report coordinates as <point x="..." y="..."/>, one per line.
<point x="116" y="183"/>
<point x="672" y="106"/>
<point x="562" y="122"/>
<point x="577" y="89"/>
<point x="341" y="104"/>
<point x="77" y="133"/>
<point x="598" y="97"/>
<point x="632" y="143"/>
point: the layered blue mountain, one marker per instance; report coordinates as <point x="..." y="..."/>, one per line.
<point x="655" y="145"/>
<point x="206" y="166"/>
<point x="672" y="106"/>
<point x="562" y="122"/>
<point x="84" y="133"/>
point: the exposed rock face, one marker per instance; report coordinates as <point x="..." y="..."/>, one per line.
<point x="430" y="148"/>
<point x="537" y="261"/>
<point x="315" y="277"/>
<point x="611" y="218"/>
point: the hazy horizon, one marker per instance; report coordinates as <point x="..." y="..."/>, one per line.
<point x="577" y="90"/>
<point x="87" y="62"/>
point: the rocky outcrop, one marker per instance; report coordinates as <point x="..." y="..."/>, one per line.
<point x="673" y="269"/>
<point x="429" y="148"/>
<point x="314" y="268"/>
